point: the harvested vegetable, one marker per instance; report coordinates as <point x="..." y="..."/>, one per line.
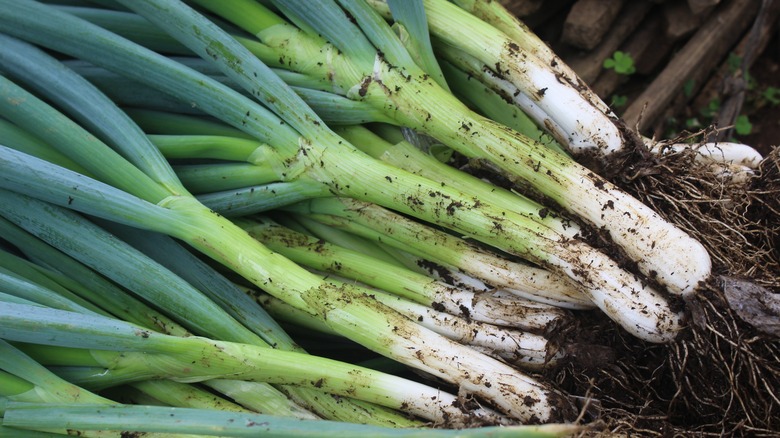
<point x="358" y="171"/>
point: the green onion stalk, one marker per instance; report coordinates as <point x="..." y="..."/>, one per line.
<point x="26" y="380"/>
<point x="498" y="16"/>
<point x="229" y="295"/>
<point x="87" y="283"/>
<point x="494" y="105"/>
<point x="461" y="323"/>
<point x="367" y="62"/>
<point x="20" y="280"/>
<point x="461" y="63"/>
<point x="135" y="199"/>
<point x="229" y="148"/>
<point x="529" y="43"/>
<point x="180" y="300"/>
<point x="91" y="244"/>
<point x="199" y="422"/>
<point x="378" y="248"/>
<point x="197" y="177"/>
<point x="128" y="353"/>
<point x="324" y="256"/>
<point x="526" y="350"/>
<point x="547" y="89"/>
<point x="186" y="395"/>
<point x="383" y="143"/>
<point x="30" y="291"/>
<point x="189" y="307"/>
<point x="604" y="290"/>
<point x="181" y="136"/>
<point x="189" y="148"/>
<point x="637" y="307"/>
<point x="290" y="315"/>
<point x="353" y="242"/>
<point x="376" y="223"/>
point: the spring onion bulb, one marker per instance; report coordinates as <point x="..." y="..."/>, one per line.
<point x="321" y="255"/>
<point x="495" y="14"/>
<point x="714" y="152"/>
<point x="442" y="248"/>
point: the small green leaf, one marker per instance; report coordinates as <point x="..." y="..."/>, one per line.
<point x="618" y="100"/>
<point x="771" y="95"/>
<point x="621" y="62"/>
<point x="692" y="123"/>
<point x="711" y="109"/>
<point x="742" y="125"/>
<point x="688" y="87"/>
<point x="734" y="62"/>
<point x="752" y="83"/>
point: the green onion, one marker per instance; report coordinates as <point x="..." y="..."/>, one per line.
<point x="609" y="286"/>
<point x="24" y="379"/>
<point x="200" y="422"/>
<point x="136" y="353"/>
<point x="373" y="222"/>
<point x="676" y="261"/>
<point x="183" y="217"/>
<point x="657" y="325"/>
<point x="324" y="256"/>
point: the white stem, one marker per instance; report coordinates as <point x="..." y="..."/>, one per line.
<point x="484" y="307"/>
<point x="586" y="127"/>
<point x="525" y="348"/>
<point x="511" y="391"/>
<point x="713" y="152"/>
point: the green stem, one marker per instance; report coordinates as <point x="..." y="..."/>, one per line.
<point x="96" y="115"/>
<point x="406" y="156"/>
<point x="200" y="422"/>
<point x="146" y="354"/>
<point x="45" y="386"/>
<point x="382" y="225"/>
<point x="217" y="177"/>
<point x="323" y="256"/>
<point x="256" y="199"/>
<point x="167" y="123"/>
<point x="186" y="396"/>
<point x="495" y="106"/>
<point x="22" y="140"/>
<point x="90" y="285"/>
<point x="205" y="146"/>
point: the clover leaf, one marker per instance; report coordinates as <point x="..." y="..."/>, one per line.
<point x="621" y="62"/>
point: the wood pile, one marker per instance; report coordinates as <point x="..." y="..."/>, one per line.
<point x="684" y="54"/>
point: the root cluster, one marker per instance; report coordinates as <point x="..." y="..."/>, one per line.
<point x="722" y="375"/>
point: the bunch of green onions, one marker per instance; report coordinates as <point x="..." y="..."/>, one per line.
<point x="283" y="144"/>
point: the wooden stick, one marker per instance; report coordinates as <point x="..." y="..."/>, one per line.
<point x="588" y="21"/>
<point x="697" y="58"/>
